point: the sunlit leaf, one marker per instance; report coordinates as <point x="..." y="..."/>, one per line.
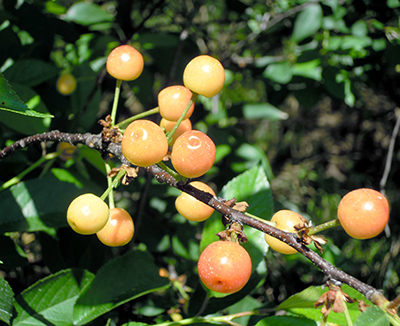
<point x="6" y="301"/>
<point x="51" y="300"/>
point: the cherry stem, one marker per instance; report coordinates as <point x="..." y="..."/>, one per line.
<point x="323" y="227"/>
<point x="181" y="118"/>
<point x="113" y="184"/>
<point x="347" y="314"/>
<point x="19" y="177"/>
<point x="115" y="102"/>
<point x="111" y="203"/>
<point x="123" y="124"/>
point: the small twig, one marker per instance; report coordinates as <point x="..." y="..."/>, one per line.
<point x="97" y="142"/>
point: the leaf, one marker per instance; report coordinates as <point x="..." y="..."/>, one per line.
<point x="280" y="72"/>
<point x="86" y="13"/>
<point x="263" y="111"/>
<point x="121" y="280"/>
<point x="307" y="23"/>
<point x="51" y="300"/>
<point x="372" y="316"/>
<point x="23" y="122"/>
<point x="30" y="72"/>
<point x="310" y="69"/>
<point x="36" y="205"/>
<point x="302" y="303"/>
<point x="9" y="99"/>
<point x="6" y="301"/>
<point x="286" y="321"/>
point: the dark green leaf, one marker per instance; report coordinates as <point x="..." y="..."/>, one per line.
<point x="307" y="23"/>
<point x="36" y="205"/>
<point x="123" y="279"/>
<point x="30" y="72"/>
<point x="51" y="300"/>
<point x="6" y="301"/>
<point x="9" y="99"/>
<point x="86" y="13"/>
<point x="23" y="122"/>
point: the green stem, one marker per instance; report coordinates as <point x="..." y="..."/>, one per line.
<point x="114" y="184"/>
<point x="111" y="203"/>
<point x="181" y="118"/>
<point x="123" y="124"/>
<point x="347" y="315"/>
<point x="167" y="169"/>
<point x="19" y="177"/>
<point x="115" y="103"/>
<point x="323" y="226"/>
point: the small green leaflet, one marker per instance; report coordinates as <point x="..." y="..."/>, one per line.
<point x="10" y="101"/>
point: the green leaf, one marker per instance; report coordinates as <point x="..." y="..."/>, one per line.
<point x="302" y="303"/>
<point x="311" y="69"/>
<point x="121" y="280"/>
<point x="51" y="300"/>
<point x="9" y="99"/>
<point x="263" y="111"/>
<point x="6" y="301"/>
<point x="31" y="72"/>
<point x="23" y="122"/>
<point x="280" y="72"/>
<point x="372" y="316"/>
<point x="86" y="13"/>
<point x="307" y="23"/>
<point x="286" y="321"/>
<point x="36" y="205"/>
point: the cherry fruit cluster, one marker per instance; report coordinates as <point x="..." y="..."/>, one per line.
<point x="89" y="214"/>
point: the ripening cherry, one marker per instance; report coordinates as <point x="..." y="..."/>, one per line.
<point x="363" y="213"/>
<point x="224" y="267"/>
<point x="119" y="228"/>
<point x="66" y="84"/>
<point x="193" y="154"/>
<point x="144" y="143"/>
<point x="191" y="208"/>
<point x="204" y="75"/>
<point x="285" y="220"/>
<point x="184" y="126"/>
<point x="67" y="150"/>
<point x="172" y="101"/>
<point x="87" y="214"/>
<point x="125" y="63"/>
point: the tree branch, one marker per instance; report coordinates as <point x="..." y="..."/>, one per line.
<point x="97" y="142"/>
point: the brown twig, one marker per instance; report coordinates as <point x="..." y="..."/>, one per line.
<point x="97" y="142"/>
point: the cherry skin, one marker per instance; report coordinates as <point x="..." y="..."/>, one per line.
<point x="193" y="154"/>
<point x="191" y="208"/>
<point x="87" y="214"/>
<point x="66" y="84"/>
<point x="363" y="213"/>
<point x="119" y="228"/>
<point x="285" y="221"/>
<point x="125" y="63"/>
<point x="144" y="143"/>
<point x="184" y="126"/>
<point x="224" y="267"/>
<point x="204" y="75"/>
<point x="172" y="101"/>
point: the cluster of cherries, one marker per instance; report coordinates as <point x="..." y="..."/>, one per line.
<point x="223" y="266"/>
